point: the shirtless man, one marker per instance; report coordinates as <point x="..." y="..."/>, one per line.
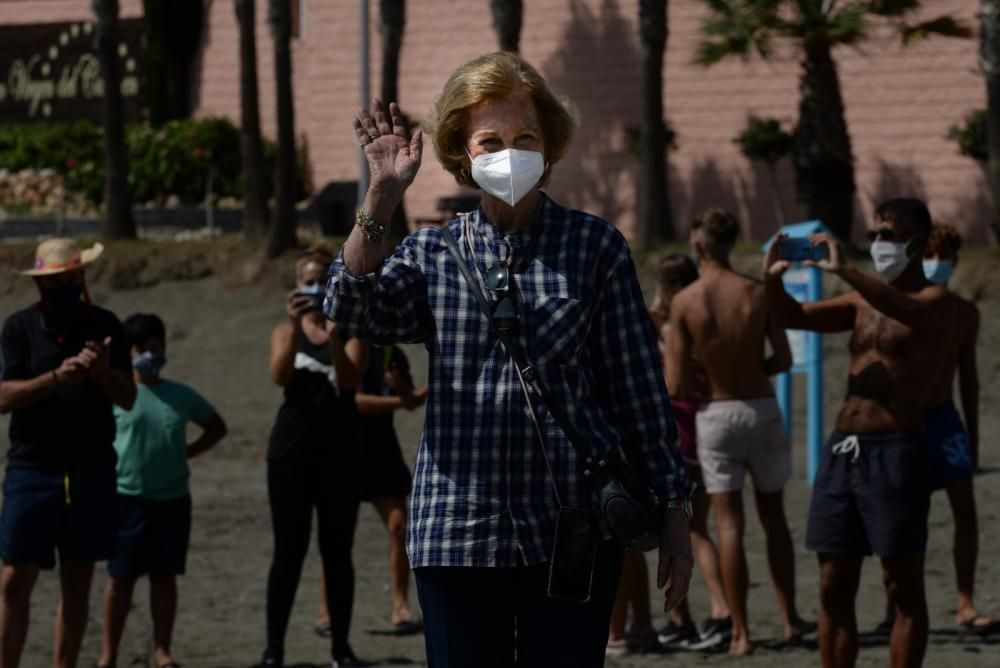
<point x="723" y="320"/>
<point x="871" y="493"/>
<point x="954" y="450"/>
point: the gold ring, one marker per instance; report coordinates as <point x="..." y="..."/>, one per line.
<point x="373" y="133"/>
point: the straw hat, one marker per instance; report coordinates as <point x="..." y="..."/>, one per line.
<point x="55" y="256"/>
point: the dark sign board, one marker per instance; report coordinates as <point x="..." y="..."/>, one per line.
<point x="50" y="71"/>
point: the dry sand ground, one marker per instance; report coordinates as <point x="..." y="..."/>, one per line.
<point x="218" y="343"/>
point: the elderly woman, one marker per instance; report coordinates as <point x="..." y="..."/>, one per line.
<point x="485" y="496"/>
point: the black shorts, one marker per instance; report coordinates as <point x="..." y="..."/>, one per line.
<point x="45" y="511"/>
<point x="871" y="496"/>
<point x="384" y="472"/>
<point x="153" y="537"/>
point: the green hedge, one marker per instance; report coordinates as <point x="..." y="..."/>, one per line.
<point x="171" y="160"/>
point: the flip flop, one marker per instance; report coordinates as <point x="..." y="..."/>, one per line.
<point x="408" y="627"/>
<point x="978" y="624"/>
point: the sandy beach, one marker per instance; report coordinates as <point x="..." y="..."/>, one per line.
<point x="218" y="343"/>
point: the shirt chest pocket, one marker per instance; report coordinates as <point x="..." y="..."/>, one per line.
<point x="557" y="329"/>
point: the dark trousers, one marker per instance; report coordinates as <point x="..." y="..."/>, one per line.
<point x="502" y="617"/>
<point x="295" y="486"/>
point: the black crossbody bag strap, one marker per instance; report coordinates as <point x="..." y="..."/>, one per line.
<point x="531" y="383"/>
<point x="623" y="502"/>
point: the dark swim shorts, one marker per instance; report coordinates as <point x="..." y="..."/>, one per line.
<point x="46" y="511"/>
<point x="871" y="496"/>
<point x="947" y="445"/>
<point x="153" y="537"/>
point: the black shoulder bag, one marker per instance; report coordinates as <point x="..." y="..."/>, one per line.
<point x="623" y="502"/>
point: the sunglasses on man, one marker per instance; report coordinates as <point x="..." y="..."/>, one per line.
<point x="888" y="234"/>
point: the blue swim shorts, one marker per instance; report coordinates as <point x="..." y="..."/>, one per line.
<point x="947" y="445"/>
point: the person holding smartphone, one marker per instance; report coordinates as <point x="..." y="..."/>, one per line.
<point x="501" y="531"/>
<point x="313" y="459"/>
<point x="871" y="494"/>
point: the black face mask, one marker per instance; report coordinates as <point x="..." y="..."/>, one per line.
<point x="63" y="301"/>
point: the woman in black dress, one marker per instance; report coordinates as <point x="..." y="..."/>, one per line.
<point x="313" y="459"/>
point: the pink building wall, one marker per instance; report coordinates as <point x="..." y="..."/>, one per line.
<point x="900" y="102"/>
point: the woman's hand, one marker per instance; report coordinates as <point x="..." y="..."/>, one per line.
<point x="676" y="561"/>
<point x="393" y="161"/>
<point x="297" y="306"/>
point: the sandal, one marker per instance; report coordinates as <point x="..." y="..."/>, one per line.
<point x="978" y="624"/>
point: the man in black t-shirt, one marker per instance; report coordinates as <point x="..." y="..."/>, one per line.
<point x="63" y="364"/>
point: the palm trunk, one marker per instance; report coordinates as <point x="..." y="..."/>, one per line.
<point x="251" y="145"/>
<point x="989" y="61"/>
<point x="507" y="23"/>
<point x="824" y="163"/>
<point x="775" y="188"/>
<point x="655" y="223"/>
<point x="282" y="234"/>
<point x="392" y="18"/>
<point x="118" y="222"/>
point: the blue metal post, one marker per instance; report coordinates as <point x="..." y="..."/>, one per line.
<point x="784" y="395"/>
<point x="814" y="390"/>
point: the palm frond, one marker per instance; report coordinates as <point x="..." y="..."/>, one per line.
<point x="737" y="28"/>
<point x="943" y="26"/>
<point x="848" y="26"/>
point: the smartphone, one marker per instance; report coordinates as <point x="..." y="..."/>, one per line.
<point x="799" y="249"/>
<point x="574" y="552"/>
<point x="316" y="293"/>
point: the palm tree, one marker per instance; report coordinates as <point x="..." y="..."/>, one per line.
<point x="392" y="20"/>
<point x="763" y="141"/>
<point x="507" y="22"/>
<point x="282" y="235"/>
<point x="251" y="145"/>
<point x="655" y="221"/>
<point x="172" y="30"/>
<point x="989" y="62"/>
<point x="822" y="155"/>
<point x="118" y="222"/>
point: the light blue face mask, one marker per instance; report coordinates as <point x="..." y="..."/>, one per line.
<point x="149" y="363"/>
<point x="937" y="270"/>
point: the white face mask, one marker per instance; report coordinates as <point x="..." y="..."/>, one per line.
<point x="508" y="175"/>
<point x="891" y="258"/>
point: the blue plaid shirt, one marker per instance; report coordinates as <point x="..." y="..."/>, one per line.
<point x="481" y="494"/>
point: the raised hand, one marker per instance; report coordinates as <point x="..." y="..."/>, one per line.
<point x="95" y="357"/>
<point x="774" y="266"/>
<point x="297" y="306"/>
<point x="393" y="159"/>
<point x="835" y="260"/>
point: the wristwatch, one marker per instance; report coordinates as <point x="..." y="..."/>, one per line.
<point x="373" y="231"/>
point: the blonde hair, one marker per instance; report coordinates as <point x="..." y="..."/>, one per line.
<point x="492" y="76"/>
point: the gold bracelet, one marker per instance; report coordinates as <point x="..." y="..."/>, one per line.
<point x="372" y="231"/>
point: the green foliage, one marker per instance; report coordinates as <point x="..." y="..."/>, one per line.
<point x="175" y="160"/>
<point x="171" y="160"/>
<point x="741" y="28"/>
<point x="764" y="140"/>
<point x="971" y="136"/>
<point x="636" y="140"/>
<point x="75" y="150"/>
